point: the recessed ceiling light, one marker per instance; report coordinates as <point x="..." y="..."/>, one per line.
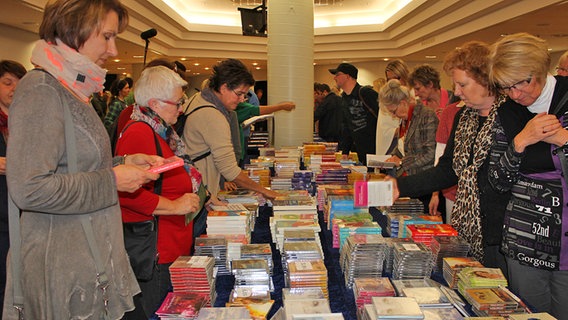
<point x="196" y="64"/>
<point x="386" y="59"/>
<point x="257" y="68"/>
<point x="431" y="57"/>
<point x="207" y="68"/>
<point x="119" y="68"/>
<point x="138" y="57"/>
<point x="116" y="60"/>
<point x="183" y="59"/>
<point x="255" y="63"/>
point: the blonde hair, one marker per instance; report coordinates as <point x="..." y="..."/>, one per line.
<point x="516" y="57"/>
<point x="393" y="93"/>
<point x="400" y="69"/>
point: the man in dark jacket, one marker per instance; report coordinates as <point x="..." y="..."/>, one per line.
<point x="329" y="113"/>
<point x="363" y="107"/>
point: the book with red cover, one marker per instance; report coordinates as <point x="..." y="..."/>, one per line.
<point x="169" y="164"/>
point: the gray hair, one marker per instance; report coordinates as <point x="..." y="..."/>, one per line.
<point x="393" y="93"/>
<point x="156" y="83"/>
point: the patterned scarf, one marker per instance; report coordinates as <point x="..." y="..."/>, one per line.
<point x="466" y="213"/>
<point x="73" y="70"/>
<point x="169" y="134"/>
<point x="4" y="125"/>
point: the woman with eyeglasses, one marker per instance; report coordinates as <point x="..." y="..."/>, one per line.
<point x="417" y="132"/>
<point x="165" y="202"/>
<point x="207" y="130"/>
<point x="533" y="168"/>
<point x="478" y="210"/>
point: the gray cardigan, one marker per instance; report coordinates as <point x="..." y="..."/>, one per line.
<point x="59" y="276"/>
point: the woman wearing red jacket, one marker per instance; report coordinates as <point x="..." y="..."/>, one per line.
<point x="159" y="98"/>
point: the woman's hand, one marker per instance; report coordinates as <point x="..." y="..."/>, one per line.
<point x="130" y="178"/>
<point x="144" y="161"/>
<point x="433" y="205"/>
<point x="394" y="159"/>
<point x="270" y="194"/>
<point x="395" y="192"/>
<point x="188" y="203"/>
<point x="540" y="128"/>
<point x="230" y="186"/>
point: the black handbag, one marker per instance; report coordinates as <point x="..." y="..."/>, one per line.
<point x="141" y="238"/>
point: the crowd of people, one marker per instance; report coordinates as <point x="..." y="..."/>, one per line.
<point x="498" y="138"/>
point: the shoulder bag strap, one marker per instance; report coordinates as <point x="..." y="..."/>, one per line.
<point x="71" y="149"/>
<point x="15" y="256"/>
<point x="371" y="111"/>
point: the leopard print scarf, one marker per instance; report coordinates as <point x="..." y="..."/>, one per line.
<point x="465" y="215"/>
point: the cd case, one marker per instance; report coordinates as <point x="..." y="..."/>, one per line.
<point x="169" y="164"/>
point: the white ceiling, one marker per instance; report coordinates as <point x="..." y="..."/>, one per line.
<point x="422" y="28"/>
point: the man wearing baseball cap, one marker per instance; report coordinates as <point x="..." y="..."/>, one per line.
<point x="362" y="103"/>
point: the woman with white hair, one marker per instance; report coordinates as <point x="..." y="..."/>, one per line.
<point x="160" y="98"/>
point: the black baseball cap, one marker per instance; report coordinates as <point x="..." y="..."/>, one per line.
<point x="346" y="68"/>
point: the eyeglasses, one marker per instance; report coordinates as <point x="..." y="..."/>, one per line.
<point x="241" y="95"/>
<point x="561" y="69"/>
<point x="178" y="104"/>
<point x="517" y="85"/>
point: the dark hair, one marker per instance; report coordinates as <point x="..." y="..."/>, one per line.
<point x="130" y="81"/>
<point x="425" y="74"/>
<point x="12" y="67"/>
<point x="73" y="21"/>
<point x="473" y="58"/>
<point x="321" y="87"/>
<point x="180" y="66"/>
<point x="117" y="85"/>
<point x="231" y="72"/>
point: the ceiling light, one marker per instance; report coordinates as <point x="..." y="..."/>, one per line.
<point x="207" y="68"/>
<point x="255" y="63"/>
<point x="138" y="57"/>
<point x="386" y="59"/>
<point x="116" y="60"/>
<point x="183" y="59"/>
<point x="431" y="57"/>
<point x="257" y="68"/>
<point x="196" y="64"/>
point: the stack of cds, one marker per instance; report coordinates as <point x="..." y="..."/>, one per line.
<point x="298" y="236"/>
<point x="215" y="247"/>
<point x="443" y="313"/>
<point x="333" y="176"/>
<point x="362" y="256"/>
<point x="425" y="232"/>
<point x="258" y="303"/>
<point x="289" y="294"/>
<point x="389" y="253"/>
<point x="447" y="247"/>
<point x="229" y="222"/>
<point x="452" y="266"/>
<point x="302" y="309"/>
<point x="397" y="223"/>
<point x="181" y="305"/>
<point x="493" y="302"/>
<point x="194" y="275"/>
<point x="259" y="173"/>
<point x="282" y="226"/>
<point x="407" y="206"/>
<point x="224" y="313"/>
<point x="258" y="251"/>
<point x="303" y="274"/>
<point x="251" y="277"/>
<point x="428" y="297"/>
<point x="281" y="184"/>
<point x="472" y="277"/>
<point x="396" y="308"/>
<point x="242" y="196"/>
<point x="346" y="229"/>
<point x="301" y="250"/>
<point x="302" y="179"/>
<point x="366" y="288"/>
<point x="411" y="261"/>
<point x="285" y="167"/>
<point x="290" y="216"/>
